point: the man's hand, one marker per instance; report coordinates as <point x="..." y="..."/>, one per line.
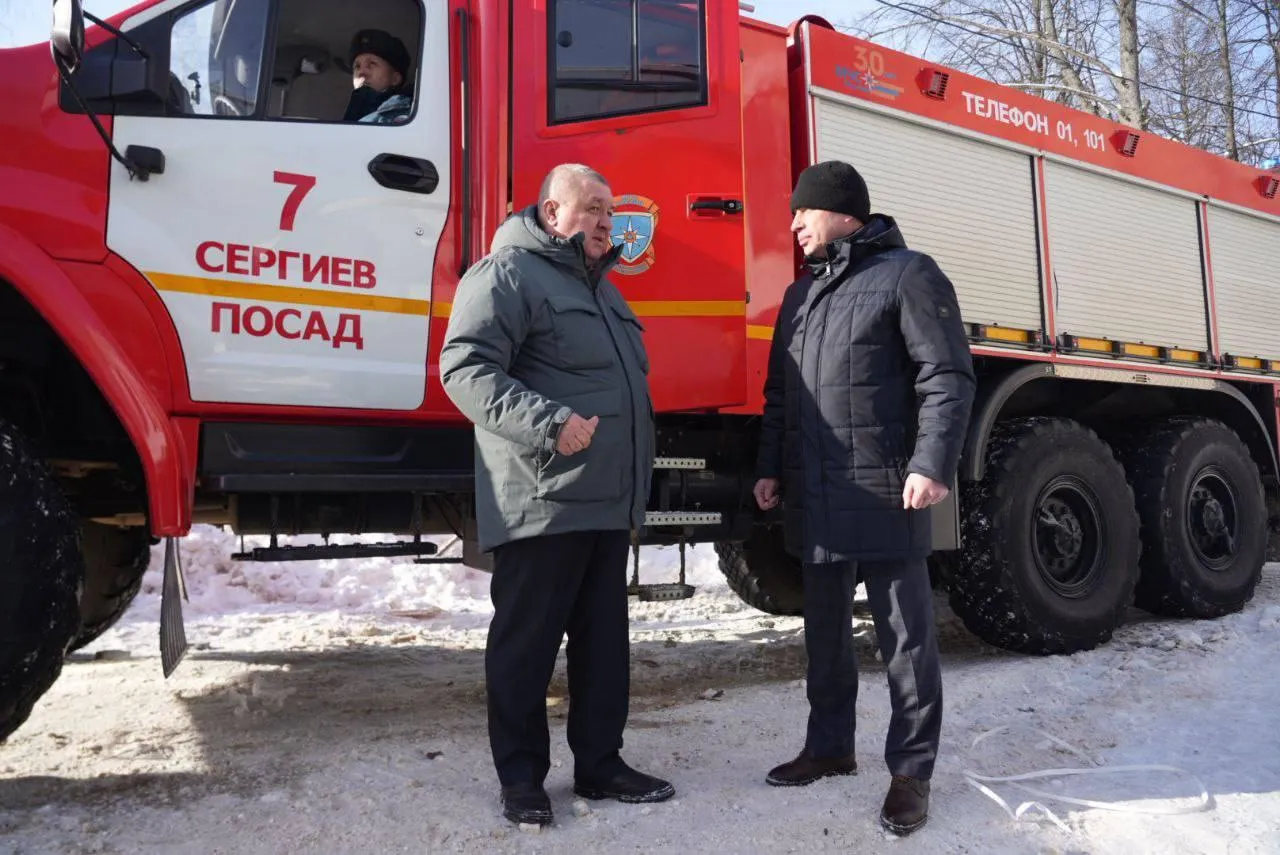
<point x="766" y="493"/>
<point x="575" y="434"/>
<point x="921" y="492"/>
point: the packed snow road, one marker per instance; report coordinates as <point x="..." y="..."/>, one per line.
<point x="340" y="708"/>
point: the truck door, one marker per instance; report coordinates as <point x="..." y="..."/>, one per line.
<point x="647" y="92"/>
<point x="291" y="239"/>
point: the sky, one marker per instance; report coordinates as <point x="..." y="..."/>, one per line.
<point x="26" y="21"/>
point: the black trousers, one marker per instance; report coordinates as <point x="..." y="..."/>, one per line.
<point x="901" y="603"/>
<point x="542" y="588"/>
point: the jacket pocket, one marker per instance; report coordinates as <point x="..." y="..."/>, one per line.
<point x="634" y="332"/>
<point x="581" y="339"/>
<point x="599" y="472"/>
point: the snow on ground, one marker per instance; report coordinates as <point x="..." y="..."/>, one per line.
<point x="338" y="706"/>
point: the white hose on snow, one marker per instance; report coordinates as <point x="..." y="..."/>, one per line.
<point x="980" y="782"/>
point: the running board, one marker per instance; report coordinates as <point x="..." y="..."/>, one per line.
<point x="347" y="550"/>
<point x="663" y="518"/>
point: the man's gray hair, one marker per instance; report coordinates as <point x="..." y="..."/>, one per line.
<point x="578" y="170"/>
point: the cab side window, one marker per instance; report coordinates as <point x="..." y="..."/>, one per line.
<point x="617" y="57"/>
<point x="215" y="59"/>
<point x="319" y="60"/>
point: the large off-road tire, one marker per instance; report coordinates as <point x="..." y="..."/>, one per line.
<point x="40" y="577"/>
<point x="1204" y="518"/>
<point x="1051" y="543"/>
<point x="763" y="573"/>
<point x="115" y="560"/>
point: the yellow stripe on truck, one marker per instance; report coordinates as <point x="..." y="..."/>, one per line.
<point x="287" y="294"/>
<point x="237" y="290"/>
<point x="663" y="309"/>
<point x="688" y="308"/>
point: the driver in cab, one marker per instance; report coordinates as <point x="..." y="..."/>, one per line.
<point x="379" y="77"/>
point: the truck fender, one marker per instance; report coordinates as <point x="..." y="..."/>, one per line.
<point x="991" y="400"/>
<point x="158" y="440"/>
<point x="986" y="409"/>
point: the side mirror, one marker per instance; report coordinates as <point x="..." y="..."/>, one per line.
<point x="67" y="36"/>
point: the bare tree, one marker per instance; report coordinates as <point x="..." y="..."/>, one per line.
<point x="1219" y="17"/>
<point x="1181" y="53"/>
<point x="1127" y="83"/>
<point x="1268" y="14"/>
<point x="1048" y="46"/>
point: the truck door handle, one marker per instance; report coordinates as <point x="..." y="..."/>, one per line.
<point x="412" y="174"/>
<point x="712" y="205"/>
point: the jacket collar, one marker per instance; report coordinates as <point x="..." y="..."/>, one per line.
<point x="879" y="234"/>
<point x="522" y="229"/>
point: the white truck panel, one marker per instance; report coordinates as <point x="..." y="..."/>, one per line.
<point x="1244" y="252"/>
<point x="1126" y="260"/>
<point x="292" y="276"/>
<point x="968" y="204"/>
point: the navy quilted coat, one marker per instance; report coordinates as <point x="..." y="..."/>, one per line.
<point x="870" y="378"/>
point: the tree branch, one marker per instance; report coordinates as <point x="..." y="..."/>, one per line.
<point x="1056" y="87"/>
<point x="1020" y="34"/>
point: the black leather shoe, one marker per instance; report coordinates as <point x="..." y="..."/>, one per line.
<point x="526" y="803"/>
<point x="906" y="807"/>
<point x="626" y="785"/>
<point x="806" y="769"/>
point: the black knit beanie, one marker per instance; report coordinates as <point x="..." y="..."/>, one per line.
<point x="383" y="44"/>
<point x="832" y="186"/>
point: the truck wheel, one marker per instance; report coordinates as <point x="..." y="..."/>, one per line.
<point x="40" y="574"/>
<point x="115" y="560"/>
<point x="762" y="573"/>
<point x="1050" y="540"/>
<point x="1204" y="518"/>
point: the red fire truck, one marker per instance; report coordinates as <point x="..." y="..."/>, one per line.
<point x="221" y="303"/>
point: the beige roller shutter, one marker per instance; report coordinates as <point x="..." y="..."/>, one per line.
<point x="1245" y="254"/>
<point x="1126" y="260"/>
<point x="968" y="204"/>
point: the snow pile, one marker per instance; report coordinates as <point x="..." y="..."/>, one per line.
<point x="1270" y="618"/>
<point x="339" y="706"/>
<point x="219" y="585"/>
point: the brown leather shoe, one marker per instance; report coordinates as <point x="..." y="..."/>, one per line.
<point x="906" y="807"/>
<point x="806" y="769"/>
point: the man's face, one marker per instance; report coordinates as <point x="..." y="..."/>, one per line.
<point x="582" y="205"/>
<point x="373" y="71"/>
<point x="814" y="229"/>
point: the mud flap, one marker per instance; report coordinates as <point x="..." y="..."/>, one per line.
<point x="944" y="523"/>
<point x="173" y="637"/>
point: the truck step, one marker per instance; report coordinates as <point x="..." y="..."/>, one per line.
<point x="657" y="592"/>
<point x="661" y="518"/>
<point x="680" y="463"/>
<point x="347" y="550"/>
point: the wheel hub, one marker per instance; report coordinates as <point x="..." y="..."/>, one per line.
<point x="1067" y="536"/>
<point x="1212" y="519"/>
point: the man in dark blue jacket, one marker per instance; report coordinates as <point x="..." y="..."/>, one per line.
<point x="867" y="401"/>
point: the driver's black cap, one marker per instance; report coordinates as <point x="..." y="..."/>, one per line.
<point x="383" y="44"/>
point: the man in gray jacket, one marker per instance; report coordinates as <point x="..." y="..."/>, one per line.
<point x="543" y="354"/>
